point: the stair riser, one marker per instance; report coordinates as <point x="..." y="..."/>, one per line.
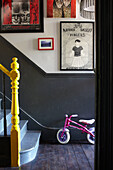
<point x="1" y="125"/>
<point x="0" y="103"/>
<point x="23" y="132"/>
<point x="8" y="118"/>
<point x="28" y="156"/>
<point x="23" y="129"/>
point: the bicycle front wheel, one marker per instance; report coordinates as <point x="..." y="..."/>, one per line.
<point x="63" y="137"/>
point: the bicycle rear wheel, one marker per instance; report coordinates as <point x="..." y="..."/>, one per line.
<point x="90" y="138"/>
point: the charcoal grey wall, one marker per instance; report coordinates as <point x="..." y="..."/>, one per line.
<point x="47" y="97"/>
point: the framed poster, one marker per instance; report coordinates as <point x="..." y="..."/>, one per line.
<point x="45" y="43"/>
<point x="21" y="16"/>
<point x="77" y="45"/>
<point x="61" y="8"/>
<point x="87" y="9"/>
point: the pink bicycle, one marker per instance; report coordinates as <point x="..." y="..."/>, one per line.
<point x="63" y="135"/>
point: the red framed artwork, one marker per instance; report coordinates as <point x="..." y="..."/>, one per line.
<point x="21" y="16"/>
<point x="45" y="43"/>
<point x="61" y="8"/>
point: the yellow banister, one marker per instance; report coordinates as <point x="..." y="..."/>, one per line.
<point x="14" y="75"/>
<point x="4" y="70"/>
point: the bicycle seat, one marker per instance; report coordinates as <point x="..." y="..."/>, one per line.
<point x="91" y="121"/>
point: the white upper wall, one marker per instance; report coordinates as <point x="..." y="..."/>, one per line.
<point x="27" y="43"/>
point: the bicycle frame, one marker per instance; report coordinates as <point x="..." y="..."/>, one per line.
<point x="84" y="128"/>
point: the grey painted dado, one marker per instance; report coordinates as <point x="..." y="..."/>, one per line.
<point x="47" y="97"/>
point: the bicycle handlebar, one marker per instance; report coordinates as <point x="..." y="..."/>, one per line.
<point x="71" y="115"/>
<point x="74" y="115"/>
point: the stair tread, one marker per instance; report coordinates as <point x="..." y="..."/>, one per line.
<point x="8" y="111"/>
<point x="30" y="140"/>
<point x="22" y="124"/>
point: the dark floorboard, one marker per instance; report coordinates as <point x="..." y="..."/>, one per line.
<point x="89" y="154"/>
<point x="61" y="157"/>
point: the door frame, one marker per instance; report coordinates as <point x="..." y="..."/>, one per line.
<point x="104" y="85"/>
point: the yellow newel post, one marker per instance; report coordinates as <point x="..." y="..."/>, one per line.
<point x="15" y="130"/>
<point x="14" y="75"/>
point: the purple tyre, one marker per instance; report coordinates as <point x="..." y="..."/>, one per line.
<point x="63" y="138"/>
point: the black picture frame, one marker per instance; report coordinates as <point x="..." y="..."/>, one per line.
<point x="20" y="16"/>
<point x="80" y="56"/>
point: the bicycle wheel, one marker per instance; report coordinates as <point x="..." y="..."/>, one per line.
<point x="63" y="139"/>
<point x="90" y="138"/>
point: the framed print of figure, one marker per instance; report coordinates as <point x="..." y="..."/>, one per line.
<point x="21" y="16"/>
<point x="61" y="8"/>
<point x="77" y="45"/>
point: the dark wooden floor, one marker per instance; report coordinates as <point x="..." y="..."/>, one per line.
<point x="61" y="157"/>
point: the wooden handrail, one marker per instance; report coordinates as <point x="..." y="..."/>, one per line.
<point x="14" y="75"/>
<point x="4" y="70"/>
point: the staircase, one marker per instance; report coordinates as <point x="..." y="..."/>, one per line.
<point x="29" y="141"/>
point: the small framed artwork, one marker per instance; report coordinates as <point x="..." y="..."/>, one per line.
<point x="21" y="16"/>
<point x="87" y="10"/>
<point x="77" y="46"/>
<point x="45" y="43"/>
<point x="61" y="8"/>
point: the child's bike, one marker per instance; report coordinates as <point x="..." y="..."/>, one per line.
<point x="63" y="135"/>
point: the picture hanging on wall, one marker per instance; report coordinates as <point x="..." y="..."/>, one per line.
<point x="21" y="16"/>
<point x="61" y="8"/>
<point x="45" y="43"/>
<point x="87" y="9"/>
<point x="77" y="45"/>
